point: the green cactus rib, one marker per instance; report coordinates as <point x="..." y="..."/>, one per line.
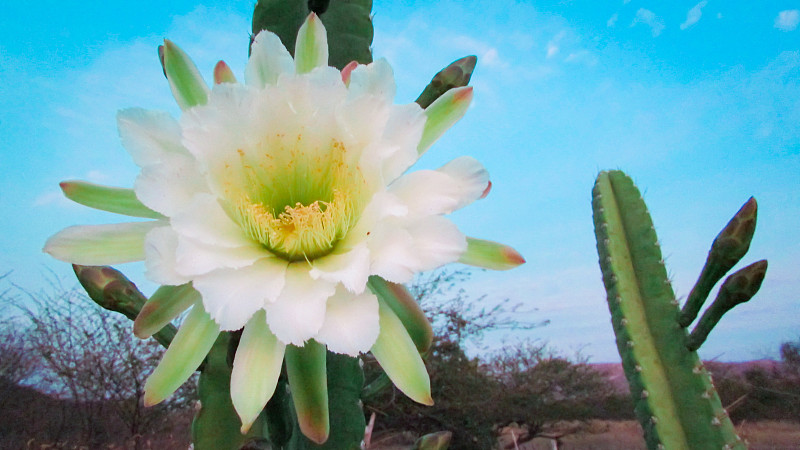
<point x="675" y="400"/>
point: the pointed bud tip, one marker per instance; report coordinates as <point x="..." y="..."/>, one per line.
<point x="150" y="399"/>
<point x="427" y="401"/>
<point x="66" y="186"/>
<point x="223" y="73"/>
<point x="463" y="94"/>
<point x="513" y="256"/>
<point x="246" y="427"/>
<point x="347" y="70"/>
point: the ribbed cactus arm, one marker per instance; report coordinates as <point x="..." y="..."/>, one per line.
<point x="676" y="402"/>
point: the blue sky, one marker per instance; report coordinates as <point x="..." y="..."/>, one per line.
<point x="698" y="101"/>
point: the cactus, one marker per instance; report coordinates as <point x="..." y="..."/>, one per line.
<point x="675" y="400"/>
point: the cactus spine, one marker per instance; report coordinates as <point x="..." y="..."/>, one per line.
<point x="675" y="400"/>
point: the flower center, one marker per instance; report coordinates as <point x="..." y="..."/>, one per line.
<point x="297" y="197"/>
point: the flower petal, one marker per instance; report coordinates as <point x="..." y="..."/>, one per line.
<point x="453" y="186"/>
<point x="168" y="187"/>
<point x="306" y="370"/>
<point x="232" y="296"/>
<point x="268" y="59"/>
<point x="148" y="135"/>
<point x="375" y="79"/>
<point x="167" y="303"/>
<point x="311" y="48"/>
<point x="490" y="255"/>
<point x="298" y="313"/>
<point x="351" y="268"/>
<point x="185" y="353"/>
<point x="397" y="297"/>
<point x="398" y="356"/>
<point x="443" y="114"/>
<point x="100" y="245"/>
<point x="160" y="246"/>
<point x="256" y="368"/>
<point x="185" y="81"/>
<point x="401" y="139"/>
<point x="204" y="220"/>
<point x="399" y="249"/>
<point x="351" y="323"/>
<point x="193" y="257"/>
<point x="106" y="198"/>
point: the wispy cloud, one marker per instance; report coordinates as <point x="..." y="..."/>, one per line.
<point x="694" y="14"/>
<point x="612" y="21"/>
<point x="787" y="20"/>
<point x="649" y="18"/>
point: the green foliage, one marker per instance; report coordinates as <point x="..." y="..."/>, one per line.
<point x="348" y="24"/>
<point x="473" y="397"/>
<point x="675" y="399"/>
<point x="345" y="380"/>
<point x="216" y="424"/>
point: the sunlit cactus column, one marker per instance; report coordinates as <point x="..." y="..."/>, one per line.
<point x="675" y="400"/>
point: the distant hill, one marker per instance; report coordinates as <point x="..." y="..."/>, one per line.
<point x="616" y="376"/>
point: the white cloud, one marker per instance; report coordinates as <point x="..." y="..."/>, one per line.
<point x="647" y="17"/>
<point x="612" y="20"/>
<point x="787" y="20"/>
<point x="694" y="15"/>
<point x="554" y="46"/>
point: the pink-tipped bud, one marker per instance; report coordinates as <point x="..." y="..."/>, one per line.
<point x="223" y="73"/>
<point x="347" y="70"/>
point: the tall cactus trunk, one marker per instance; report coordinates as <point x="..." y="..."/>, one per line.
<point x="675" y="400"/>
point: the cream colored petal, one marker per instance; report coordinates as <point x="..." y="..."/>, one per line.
<point x="351" y="268"/>
<point x="351" y="323"/>
<point x="204" y="220"/>
<point x="160" y="247"/>
<point x="397" y="355"/>
<point x="442" y="191"/>
<point x="298" y="313"/>
<point x="399" y="248"/>
<point x="101" y="245"/>
<point x="232" y="296"/>
<point x="256" y="368"/>
<point x="169" y="187"/>
<point x="311" y="49"/>
<point x="193" y="257"/>
<point x="148" y="135"/>
<point x="187" y="350"/>
<point x="268" y="59"/>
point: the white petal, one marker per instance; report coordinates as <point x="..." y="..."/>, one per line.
<point x="351" y="268"/>
<point x="351" y="323"/>
<point x="400" y="139"/>
<point x="399" y="250"/>
<point x="231" y="296"/>
<point x="437" y="241"/>
<point x="148" y="135"/>
<point x="205" y="220"/>
<point x="169" y="186"/>
<point x="100" y="245"/>
<point x="268" y="59"/>
<point x="311" y="48"/>
<point x="374" y="79"/>
<point x="391" y="252"/>
<point x="442" y="191"/>
<point x="299" y="311"/>
<point x="159" y="247"/>
<point x="196" y="258"/>
<point x="256" y="368"/>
